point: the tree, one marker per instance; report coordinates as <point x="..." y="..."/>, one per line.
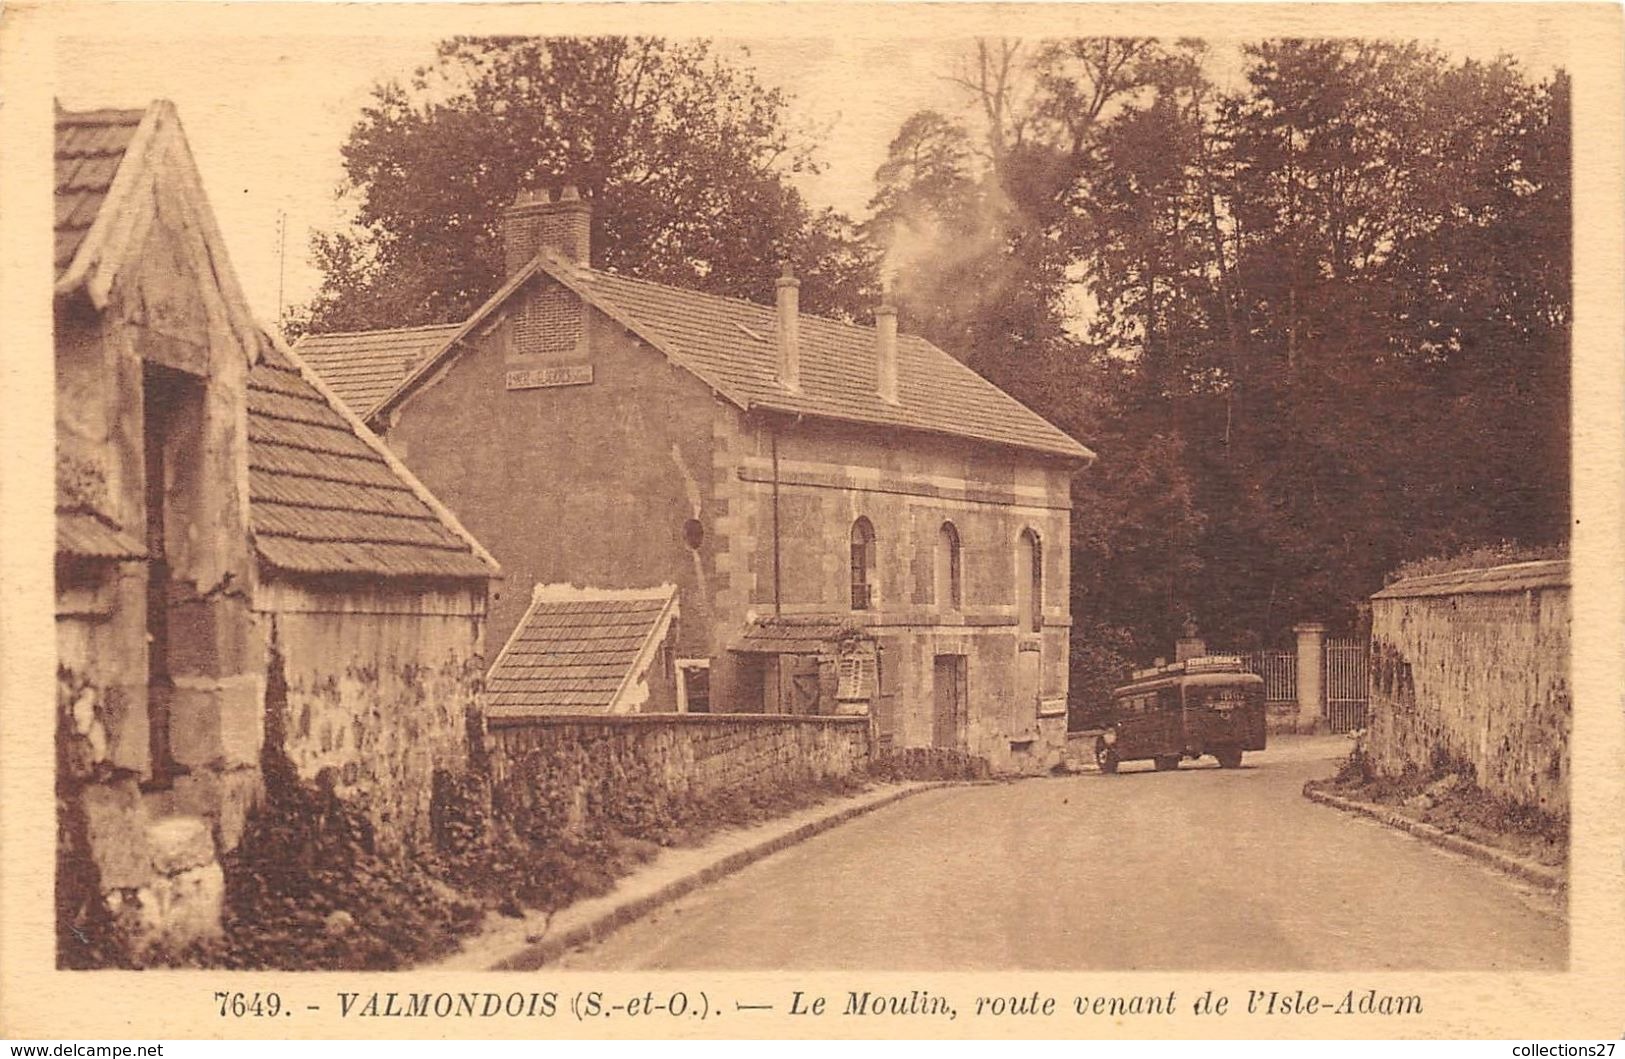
<point x="686" y="157"/>
<point x="978" y="214"/>
<point x="1330" y="312"/>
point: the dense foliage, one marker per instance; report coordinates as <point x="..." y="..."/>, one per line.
<point x="1328" y="312"/>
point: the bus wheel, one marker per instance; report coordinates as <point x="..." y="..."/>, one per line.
<point x="1168" y="763"/>
<point x="1229" y="758"/>
<point x="1105" y="757"/>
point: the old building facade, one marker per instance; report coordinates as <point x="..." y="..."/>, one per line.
<point x="238" y="559"/>
<point x="852" y="519"/>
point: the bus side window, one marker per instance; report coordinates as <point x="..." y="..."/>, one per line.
<point x="1168" y="698"/>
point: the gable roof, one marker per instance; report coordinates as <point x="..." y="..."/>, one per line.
<point x="107" y="162"/>
<point x="730" y="345"/>
<point x="362" y="367"/>
<point x="92" y="535"/>
<point x="326" y="496"/>
<point x="579" y="650"/>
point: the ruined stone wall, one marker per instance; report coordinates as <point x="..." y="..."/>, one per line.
<point x="379" y="687"/>
<point x="1479" y="679"/>
<point x="565" y="773"/>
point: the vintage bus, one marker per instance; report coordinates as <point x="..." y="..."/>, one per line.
<point x="1201" y="706"/>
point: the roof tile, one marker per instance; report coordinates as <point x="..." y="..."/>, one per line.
<point x="89" y="147"/>
<point x="362" y="367"/>
<point x="1511" y="577"/>
<point x="714" y="337"/>
<point x="324" y="501"/>
<point x="88" y="536"/>
<point x="574" y="654"/>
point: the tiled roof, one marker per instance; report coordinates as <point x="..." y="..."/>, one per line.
<point x="575" y="651"/>
<point x="796" y="635"/>
<point x="362" y="367"/>
<point x="1513" y="577"/>
<point x="87" y="535"/>
<point x="89" y="147"/>
<point x="731" y="345"/>
<point x="324" y="501"/>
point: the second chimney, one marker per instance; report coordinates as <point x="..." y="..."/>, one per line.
<point x="535" y="221"/>
<point x="789" y="303"/>
<point x="886" y="351"/>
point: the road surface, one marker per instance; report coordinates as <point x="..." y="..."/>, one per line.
<point x="1204" y="869"/>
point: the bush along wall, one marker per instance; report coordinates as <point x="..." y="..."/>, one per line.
<point x="558" y="808"/>
<point x="307" y="886"/>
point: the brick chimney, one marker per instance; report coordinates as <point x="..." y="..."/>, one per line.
<point x="789" y="330"/>
<point x="535" y="220"/>
<point x="886" y="351"/>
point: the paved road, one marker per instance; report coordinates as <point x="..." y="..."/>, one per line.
<point x="1203" y="869"/>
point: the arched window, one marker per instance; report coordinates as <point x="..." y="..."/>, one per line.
<point x="863" y="564"/>
<point x="1030" y="582"/>
<point x="947" y="567"/>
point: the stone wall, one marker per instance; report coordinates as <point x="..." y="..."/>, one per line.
<point x="551" y="774"/>
<point x="379" y="686"/>
<point x="1472" y="669"/>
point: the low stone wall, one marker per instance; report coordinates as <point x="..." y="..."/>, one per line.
<point x="554" y="774"/>
<point x="1472" y="668"/>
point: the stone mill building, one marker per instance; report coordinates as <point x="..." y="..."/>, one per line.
<point x="852" y="520"/>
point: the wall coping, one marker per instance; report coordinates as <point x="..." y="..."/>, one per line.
<point x="1511" y="577"/>
<point x="635" y="720"/>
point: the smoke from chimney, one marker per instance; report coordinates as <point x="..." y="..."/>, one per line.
<point x="886" y="350"/>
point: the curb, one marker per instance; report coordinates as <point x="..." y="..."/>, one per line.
<point x="536" y="954"/>
<point x="1555" y="879"/>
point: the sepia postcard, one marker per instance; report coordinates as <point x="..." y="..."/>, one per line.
<point x="812" y="520"/>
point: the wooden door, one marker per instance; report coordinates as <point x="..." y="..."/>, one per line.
<point x="1029" y="670"/>
<point x="801" y="685"/>
<point x="948" y="683"/>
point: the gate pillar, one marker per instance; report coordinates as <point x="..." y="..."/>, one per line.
<point x="1311" y="673"/>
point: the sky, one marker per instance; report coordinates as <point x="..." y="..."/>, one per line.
<point x="267" y="144"/>
<point x="266" y="116"/>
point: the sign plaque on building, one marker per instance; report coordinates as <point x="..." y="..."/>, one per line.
<point x="556" y="375"/>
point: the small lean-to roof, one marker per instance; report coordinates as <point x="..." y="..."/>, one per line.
<point x="325" y="497"/>
<point x="578" y="650"/>
<point x="88" y="535"/>
<point x="84" y="528"/>
<point x="1513" y="577"/>
<point x="731" y="345"/>
<point x="362" y="367"/>
<point x="793" y="635"/>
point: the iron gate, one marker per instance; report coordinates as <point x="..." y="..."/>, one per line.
<point x="1280" y="672"/>
<point x="1347" y="684"/>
